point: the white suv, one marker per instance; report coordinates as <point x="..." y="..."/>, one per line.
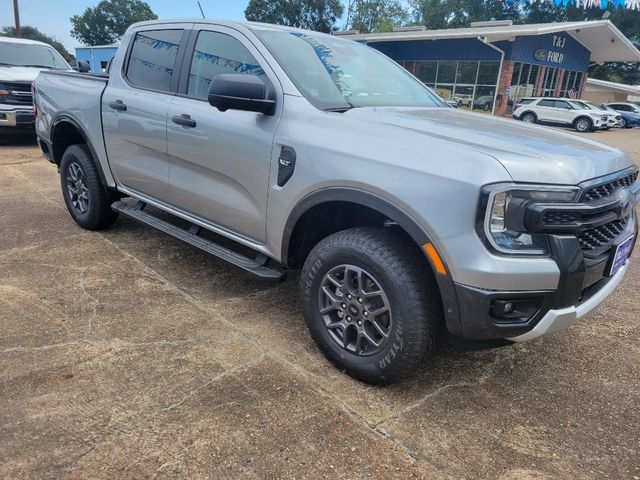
<point x="559" y="111"/>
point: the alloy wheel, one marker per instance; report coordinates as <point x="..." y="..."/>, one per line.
<point x="78" y="192"/>
<point x="582" y="125"/>
<point x="355" y="310"/>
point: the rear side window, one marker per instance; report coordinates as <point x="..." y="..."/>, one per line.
<point x="525" y="101"/>
<point x="216" y="53"/>
<point x="547" y="103"/>
<point x="152" y="59"/>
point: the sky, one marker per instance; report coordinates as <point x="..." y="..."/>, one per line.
<point x="52" y="16"/>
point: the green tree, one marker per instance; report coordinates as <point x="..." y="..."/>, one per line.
<point x="320" y="15"/>
<point x="106" y="23"/>
<point x="32" y="33"/>
<point x="376" y="15"/>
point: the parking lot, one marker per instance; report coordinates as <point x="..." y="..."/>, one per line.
<point x="126" y="353"/>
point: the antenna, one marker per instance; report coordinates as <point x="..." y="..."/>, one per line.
<point x="200" y="7"/>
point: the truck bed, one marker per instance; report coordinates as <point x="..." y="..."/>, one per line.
<point x="76" y="97"/>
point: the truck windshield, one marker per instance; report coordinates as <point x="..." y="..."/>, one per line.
<point x="25" y="55"/>
<point x="338" y="74"/>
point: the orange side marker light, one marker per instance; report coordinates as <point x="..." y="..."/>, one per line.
<point x="436" y="261"/>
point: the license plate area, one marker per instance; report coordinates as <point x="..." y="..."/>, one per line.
<point x="620" y="255"/>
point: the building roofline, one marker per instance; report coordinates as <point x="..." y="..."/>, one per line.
<point x="97" y="46"/>
<point x="614" y="85"/>
<point x="601" y="37"/>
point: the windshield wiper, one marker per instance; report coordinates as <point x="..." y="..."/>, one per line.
<point x="338" y="109"/>
<point x="37" y="66"/>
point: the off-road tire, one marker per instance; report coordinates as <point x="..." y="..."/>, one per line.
<point x="410" y="287"/>
<point x="98" y="214"/>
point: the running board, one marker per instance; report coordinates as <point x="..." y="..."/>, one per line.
<point x="255" y="266"/>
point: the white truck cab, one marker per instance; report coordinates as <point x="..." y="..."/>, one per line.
<point x="21" y="61"/>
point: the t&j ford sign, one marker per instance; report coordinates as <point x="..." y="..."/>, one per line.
<point x="551" y="50"/>
<point x="552" y="56"/>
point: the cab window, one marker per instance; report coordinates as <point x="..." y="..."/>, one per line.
<point x="152" y="59"/>
<point x="214" y="54"/>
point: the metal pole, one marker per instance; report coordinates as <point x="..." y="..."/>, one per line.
<point x="16" y="16"/>
<point x="495" y="94"/>
<point x="201" y="12"/>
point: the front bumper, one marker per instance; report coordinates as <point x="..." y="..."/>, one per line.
<point x="560" y="319"/>
<point x="17" y="120"/>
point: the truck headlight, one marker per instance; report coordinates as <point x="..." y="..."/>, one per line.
<point x="502" y="211"/>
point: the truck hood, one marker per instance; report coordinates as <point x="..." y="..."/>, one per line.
<point x="529" y="153"/>
<point x="19" y="74"/>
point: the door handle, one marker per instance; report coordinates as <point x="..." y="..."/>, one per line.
<point x="118" y="105"/>
<point x="184" y="120"/>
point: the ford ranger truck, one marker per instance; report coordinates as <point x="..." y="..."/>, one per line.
<point x="20" y="62"/>
<point x="412" y="222"/>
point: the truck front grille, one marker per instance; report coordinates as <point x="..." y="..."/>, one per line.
<point x="560" y="218"/>
<point x="600" y="239"/>
<point x="19" y="93"/>
<point x="607" y="189"/>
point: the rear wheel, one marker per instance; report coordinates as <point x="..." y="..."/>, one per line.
<point x="529" y="118"/>
<point x="87" y="200"/>
<point x="369" y="305"/>
<point x="583" y="125"/>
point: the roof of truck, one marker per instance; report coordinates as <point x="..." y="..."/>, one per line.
<point x="22" y="40"/>
<point x="227" y="23"/>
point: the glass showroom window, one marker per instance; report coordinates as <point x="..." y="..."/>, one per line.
<point x="471" y="84"/>
<point x="523" y="82"/>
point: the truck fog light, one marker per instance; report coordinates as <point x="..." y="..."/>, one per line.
<point x="515" y="310"/>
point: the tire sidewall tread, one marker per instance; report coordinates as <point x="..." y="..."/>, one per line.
<point x="416" y="308"/>
<point x="99" y="215"/>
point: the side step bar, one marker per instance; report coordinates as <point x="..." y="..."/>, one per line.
<point x="255" y="266"/>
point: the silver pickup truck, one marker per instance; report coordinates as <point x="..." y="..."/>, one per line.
<point x="412" y="222"/>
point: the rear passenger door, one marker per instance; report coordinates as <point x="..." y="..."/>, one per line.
<point x="135" y="106"/>
<point x="220" y="164"/>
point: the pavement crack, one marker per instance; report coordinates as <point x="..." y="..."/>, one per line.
<point x="215" y="378"/>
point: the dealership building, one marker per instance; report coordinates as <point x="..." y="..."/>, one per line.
<point x="490" y="64"/>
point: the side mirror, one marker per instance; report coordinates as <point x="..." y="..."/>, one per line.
<point x="83" y="66"/>
<point x="237" y="91"/>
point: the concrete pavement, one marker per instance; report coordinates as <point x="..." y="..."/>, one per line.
<point x="127" y="354"/>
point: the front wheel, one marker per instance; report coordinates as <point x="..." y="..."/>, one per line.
<point x="370" y="303"/>
<point x="583" y="125"/>
<point x="623" y="123"/>
<point x="87" y="200"/>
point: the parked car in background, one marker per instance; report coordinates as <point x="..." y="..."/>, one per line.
<point x="20" y="62"/>
<point x="629" y="112"/>
<point x="463" y="99"/>
<point x="484" y="102"/>
<point x="559" y="111"/>
<point x="613" y="116"/>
